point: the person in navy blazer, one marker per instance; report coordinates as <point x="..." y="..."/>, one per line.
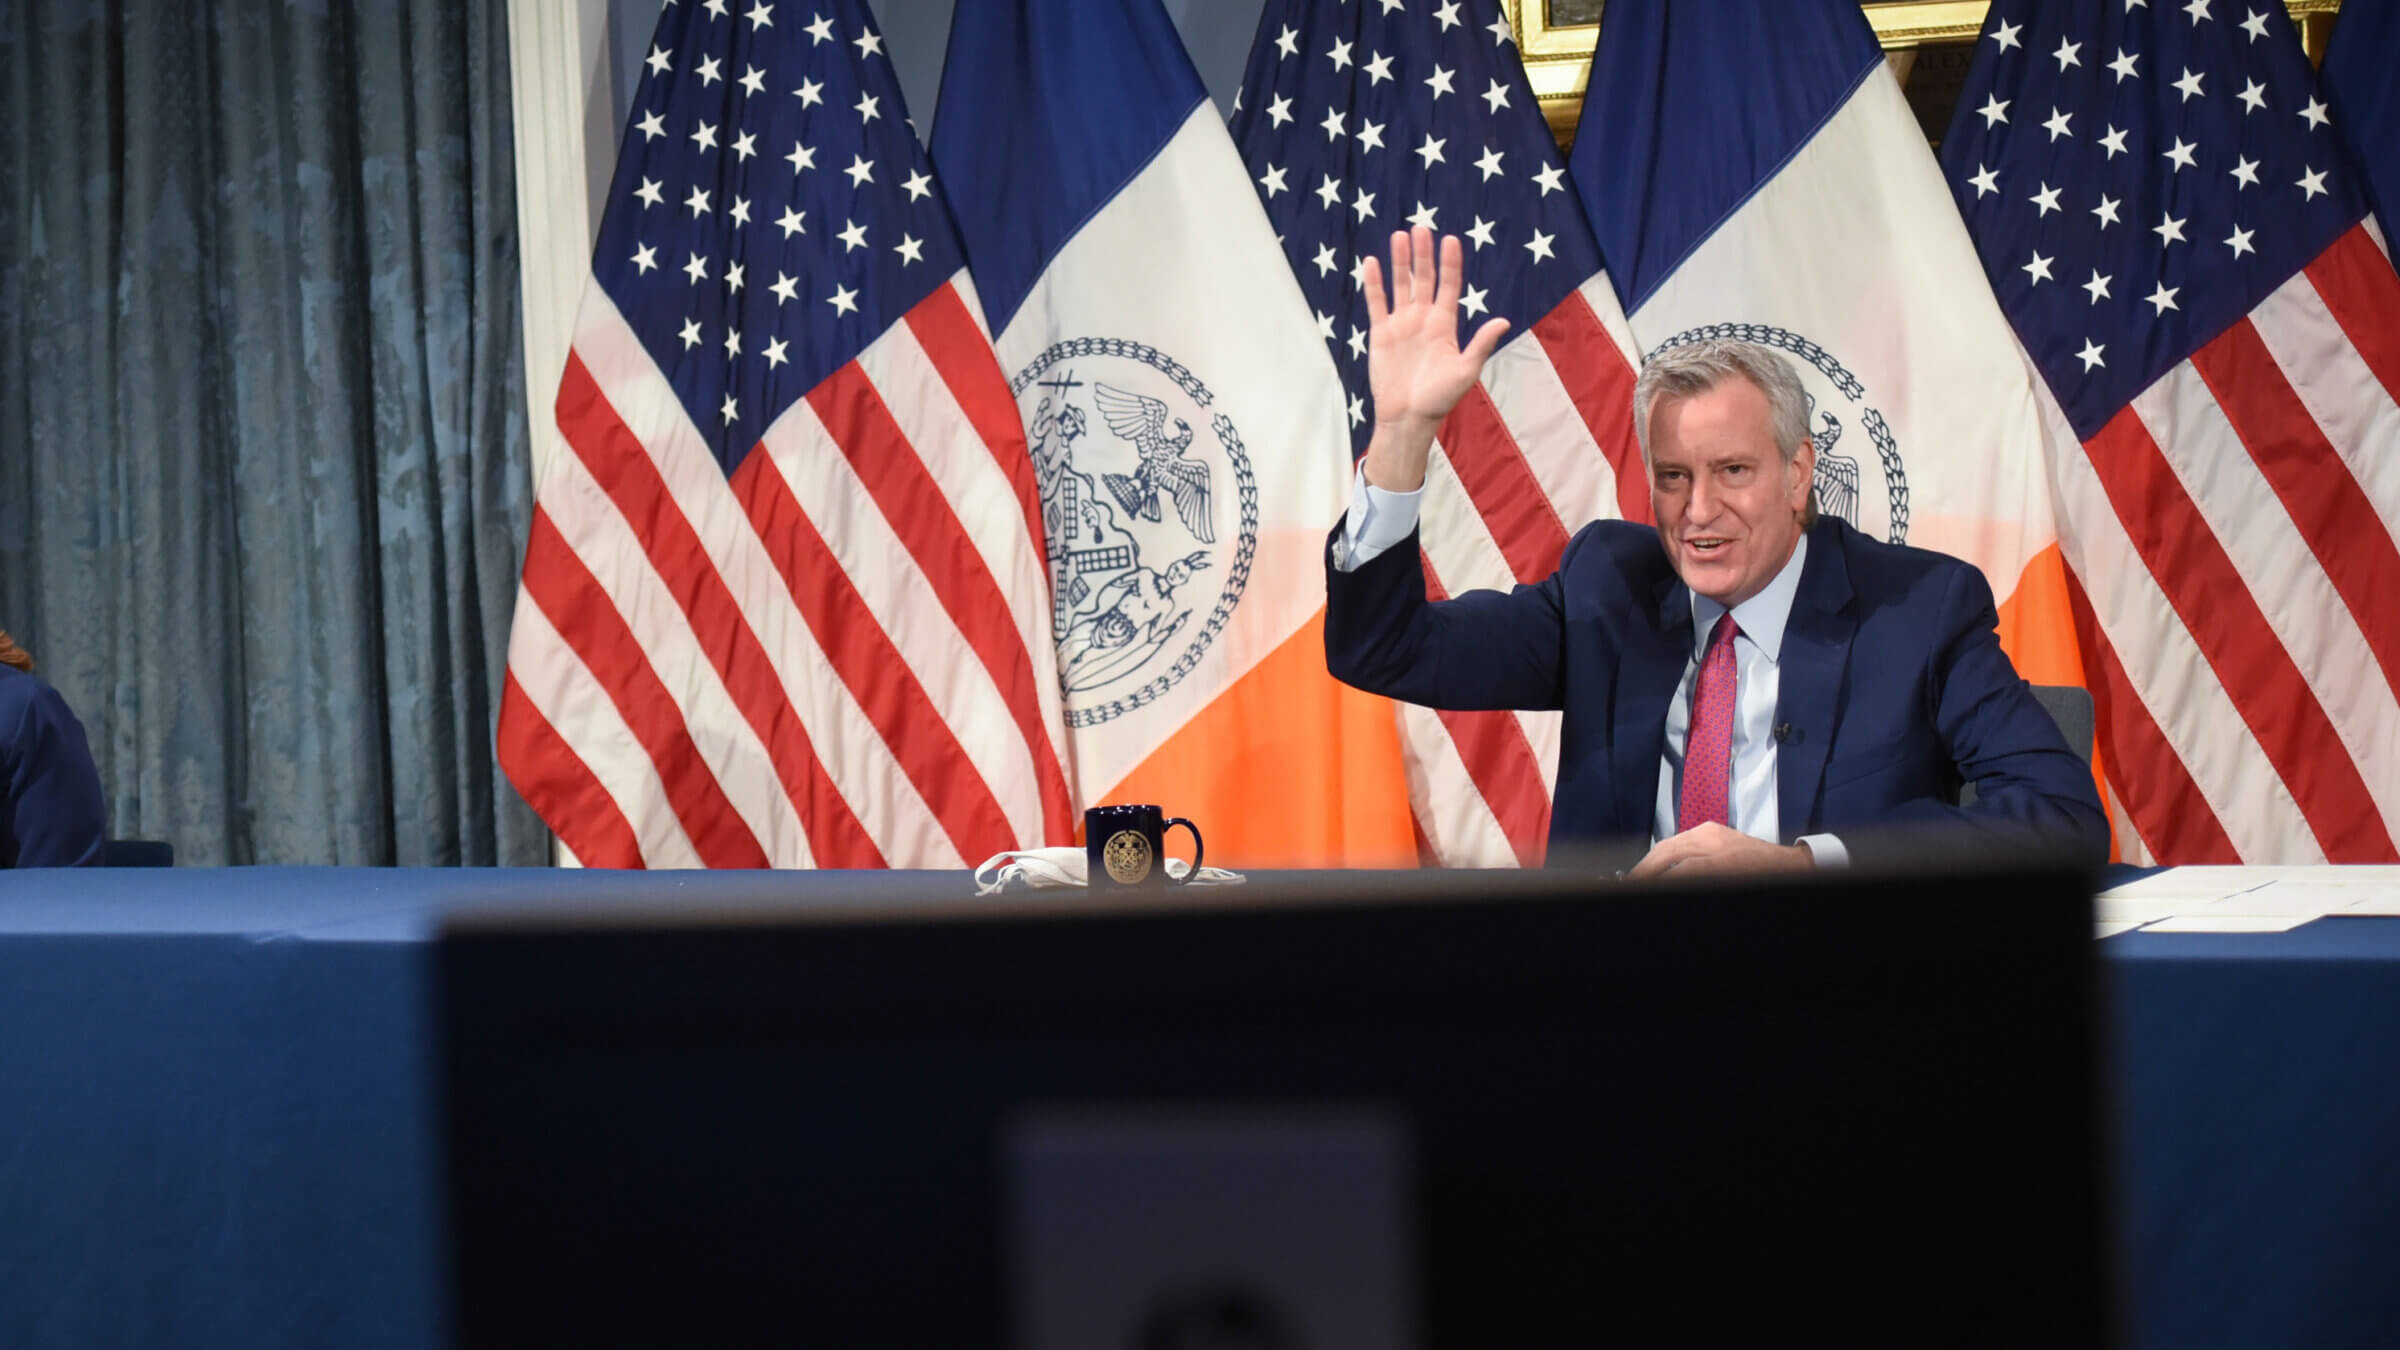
<point x="1885" y="686"/>
<point x="52" y="813"/>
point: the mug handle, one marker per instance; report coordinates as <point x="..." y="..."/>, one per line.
<point x="1196" y="854"/>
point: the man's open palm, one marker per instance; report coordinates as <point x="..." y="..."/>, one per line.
<point x="1415" y="367"/>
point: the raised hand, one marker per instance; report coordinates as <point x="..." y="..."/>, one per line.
<point x="1415" y="367"/>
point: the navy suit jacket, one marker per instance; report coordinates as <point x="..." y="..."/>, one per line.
<point x="1893" y="688"/>
<point x="52" y="813"/>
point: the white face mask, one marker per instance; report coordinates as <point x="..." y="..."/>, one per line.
<point x="1045" y="867"/>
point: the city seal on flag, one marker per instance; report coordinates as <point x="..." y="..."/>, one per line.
<point x="1151" y="514"/>
<point x="1870" y="497"/>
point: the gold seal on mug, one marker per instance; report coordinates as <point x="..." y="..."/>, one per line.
<point x="1127" y="857"/>
<point x="1127" y="846"/>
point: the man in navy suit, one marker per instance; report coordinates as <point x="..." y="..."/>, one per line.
<point x="52" y="813"/>
<point x="1747" y="686"/>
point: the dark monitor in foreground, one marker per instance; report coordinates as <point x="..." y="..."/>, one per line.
<point x="1386" y="1110"/>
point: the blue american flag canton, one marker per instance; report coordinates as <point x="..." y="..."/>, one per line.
<point x="772" y="211"/>
<point x="1358" y="119"/>
<point x="2137" y="176"/>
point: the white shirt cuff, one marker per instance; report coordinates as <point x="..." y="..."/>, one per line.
<point x="1377" y="520"/>
<point x="1826" y="849"/>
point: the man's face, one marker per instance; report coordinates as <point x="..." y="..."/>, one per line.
<point x="1728" y="506"/>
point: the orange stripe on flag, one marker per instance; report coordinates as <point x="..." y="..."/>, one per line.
<point x="2037" y="630"/>
<point x="2037" y="624"/>
<point x="1286" y="768"/>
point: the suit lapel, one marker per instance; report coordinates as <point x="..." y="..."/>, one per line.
<point x="1816" y="651"/>
<point x="1648" y="678"/>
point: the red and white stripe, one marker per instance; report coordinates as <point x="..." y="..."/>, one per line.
<point x="1542" y="446"/>
<point x="2235" y="536"/>
<point x="838" y="657"/>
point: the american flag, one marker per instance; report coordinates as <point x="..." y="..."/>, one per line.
<point x="1356" y="120"/>
<point x="784" y="600"/>
<point x="2159" y="200"/>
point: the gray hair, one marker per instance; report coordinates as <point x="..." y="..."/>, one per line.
<point x="1697" y="367"/>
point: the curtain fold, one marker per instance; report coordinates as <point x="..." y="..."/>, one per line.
<point x="262" y="445"/>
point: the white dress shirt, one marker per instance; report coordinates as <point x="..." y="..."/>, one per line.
<point x="1379" y="519"/>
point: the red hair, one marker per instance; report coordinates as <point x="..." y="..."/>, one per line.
<point x="13" y="655"/>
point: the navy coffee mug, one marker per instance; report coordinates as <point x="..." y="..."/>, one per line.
<point x="1127" y="846"/>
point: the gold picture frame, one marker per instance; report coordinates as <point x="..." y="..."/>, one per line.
<point x="1558" y="57"/>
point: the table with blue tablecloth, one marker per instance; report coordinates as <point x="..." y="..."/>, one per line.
<point x="217" y="1112"/>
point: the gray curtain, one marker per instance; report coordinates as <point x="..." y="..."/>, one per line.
<point x="262" y="445"/>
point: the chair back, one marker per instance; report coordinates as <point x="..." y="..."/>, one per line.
<point x="137" y="853"/>
<point x="2069" y="705"/>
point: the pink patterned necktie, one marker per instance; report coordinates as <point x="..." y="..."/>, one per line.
<point x="1708" y="749"/>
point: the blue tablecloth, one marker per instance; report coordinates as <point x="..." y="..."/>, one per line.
<point x="216" y="1107"/>
<point x="216" y="1116"/>
<point x="2259" y="1134"/>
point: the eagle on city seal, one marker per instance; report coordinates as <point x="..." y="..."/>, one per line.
<point x="1150" y="512"/>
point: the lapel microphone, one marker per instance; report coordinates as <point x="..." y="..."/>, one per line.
<point x="1786" y="734"/>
